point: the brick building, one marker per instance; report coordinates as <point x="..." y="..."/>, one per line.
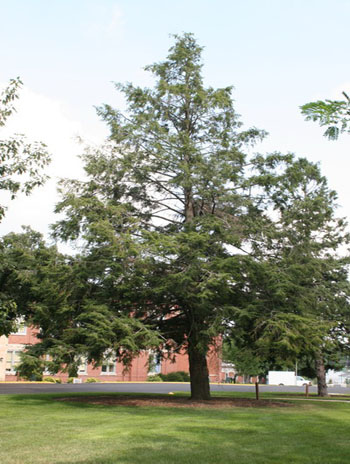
<point x="11" y="346"/>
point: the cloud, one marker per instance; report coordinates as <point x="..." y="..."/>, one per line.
<point x="116" y="22"/>
<point x="106" y="21"/>
<point x="48" y="120"/>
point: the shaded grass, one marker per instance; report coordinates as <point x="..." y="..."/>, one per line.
<point x="275" y="395"/>
<point x="36" y="429"/>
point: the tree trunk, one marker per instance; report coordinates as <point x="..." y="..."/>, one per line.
<point x="189" y="209"/>
<point x="321" y="376"/>
<point x="199" y="373"/>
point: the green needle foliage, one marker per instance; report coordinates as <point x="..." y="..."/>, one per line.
<point x="299" y="290"/>
<point x="61" y="296"/>
<point x="185" y="236"/>
<point x="173" y="206"/>
<point x="165" y="200"/>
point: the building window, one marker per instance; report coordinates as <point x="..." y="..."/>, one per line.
<point x="82" y="369"/>
<point x="47" y="358"/>
<point x="109" y="364"/>
<point x="108" y="367"/>
<point x="12" y="360"/>
<point x="21" y="328"/>
<point x="154" y="363"/>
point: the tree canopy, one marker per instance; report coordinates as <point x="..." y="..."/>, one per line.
<point x="184" y="236"/>
<point x="21" y="170"/>
<point x="179" y="217"/>
<point x="299" y="285"/>
<point x="60" y="296"/>
<point x="167" y="198"/>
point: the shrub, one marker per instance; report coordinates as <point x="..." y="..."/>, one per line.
<point x="179" y="376"/>
<point x="35" y="378"/>
<point x="154" y="378"/>
<point x="70" y="379"/>
<point x="30" y="367"/>
<point x="91" y="380"/>
<point x="58" y="380"/>
<point x="49" y="379"/>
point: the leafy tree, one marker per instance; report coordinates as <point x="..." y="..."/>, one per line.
<point x="333" y="114"/>
<point x="19" y="255"/>
<point x="246" y="361"/>
<point x="60" y="296"/>
<point x="299" y="301"/>
<point x="22" y="163"/>
<point x="21" y="170"/>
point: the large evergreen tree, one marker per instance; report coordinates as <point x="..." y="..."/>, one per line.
<point x="185" y="230"/>
<point x="171" y="191"/>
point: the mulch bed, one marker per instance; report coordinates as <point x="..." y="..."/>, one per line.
<point x="175" y="402"/>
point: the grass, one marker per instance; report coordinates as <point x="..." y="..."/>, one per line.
<point x="36" y="429"/>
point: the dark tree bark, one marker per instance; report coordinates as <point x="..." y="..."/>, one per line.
<point x="199" y="373"/>
<point x="246" y="378"/>
<point x="321" y="376"/>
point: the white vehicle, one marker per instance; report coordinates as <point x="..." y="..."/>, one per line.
<point x="300" y="381"/>
<point x="286" y="378"/>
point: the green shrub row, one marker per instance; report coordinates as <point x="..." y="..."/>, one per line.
<point x="154" y="378"/>
<point x="69" y="380"/>
<point x="52" y="380"/>
<point x="179" y="376"/>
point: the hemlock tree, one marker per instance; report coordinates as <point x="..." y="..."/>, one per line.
<point x="333" y="114"/>
<point x="170" y="205"/>
<point x="167" y="198"/>
<point x="299" y="302"/>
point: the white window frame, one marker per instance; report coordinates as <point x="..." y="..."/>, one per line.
<point x="110" y="368"/>
<point x="110" y="363"/>
<point x="47" y="357"/>
<point x="83" y="367"/>
<point x="21" y="328"/>
<point x="11" y="371"/>
<point x="157" y="364"/>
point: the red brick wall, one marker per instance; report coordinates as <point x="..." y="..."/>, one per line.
<point x="138" y="370"/>
<point x="28" y="339"/>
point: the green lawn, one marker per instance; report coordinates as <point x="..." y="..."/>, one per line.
<point x="34" y="429"/>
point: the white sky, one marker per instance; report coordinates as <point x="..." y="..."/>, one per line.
<point x="278" y="54"/>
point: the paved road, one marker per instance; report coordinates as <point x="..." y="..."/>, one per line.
<point x="7" y="388"/>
